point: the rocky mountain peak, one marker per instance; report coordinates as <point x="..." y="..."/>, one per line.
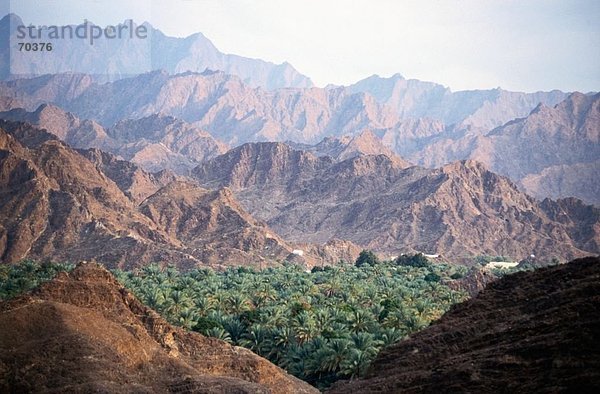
<point x="257" y="163"/>
<point x="10" y="19"/>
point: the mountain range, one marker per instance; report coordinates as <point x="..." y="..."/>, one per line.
<point x="484" y="109"/>
<point x="552" y="152"/>
<point x="57" y="203"/>
<point x="155" y="143"/>
<point x="235" y="113"/>
<point x="109" y="61"/>
<point x="459" y="210"/>
<point x="253" y="204"/>
<point x="200" y="166"/>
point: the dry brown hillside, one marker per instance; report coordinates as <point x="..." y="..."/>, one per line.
<point x="531" y="332"/>
<point x="83" y="332"/>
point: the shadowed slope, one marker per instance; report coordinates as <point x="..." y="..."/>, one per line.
<point x="528" y="332"/>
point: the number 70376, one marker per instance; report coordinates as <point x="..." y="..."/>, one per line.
<point x="35" y="46"/>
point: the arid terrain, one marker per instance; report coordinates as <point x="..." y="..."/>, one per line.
<point x="84" y="332"/>
<point x="178" y="218"/>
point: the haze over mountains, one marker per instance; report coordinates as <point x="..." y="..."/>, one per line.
<point x="115" y="59"/>
<point x="155" y="143"/>
<point x="346" y="171"/>
<point x="234" y="113"/>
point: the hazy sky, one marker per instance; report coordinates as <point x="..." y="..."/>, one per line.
<point x="524" y="45"/>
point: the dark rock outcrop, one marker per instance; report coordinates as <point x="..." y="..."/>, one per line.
<point x="528" y="332"/>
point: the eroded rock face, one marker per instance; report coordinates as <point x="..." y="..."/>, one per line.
<point x="155" y="143"/>
<point x="57" y="203"/>
<point x="527" y="332"/>
<point x="550" y="152"/>
<point x="84" y="332"/>
<point x="459" y="210"/>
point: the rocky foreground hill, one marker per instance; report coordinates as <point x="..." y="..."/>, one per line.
<point x="83" y="332"/>
<point x="528" y="332"/>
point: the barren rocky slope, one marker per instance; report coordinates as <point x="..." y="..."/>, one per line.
<point x="528" y="332"/>
<point x="347" y="147"/>
<point x="57" y="204"/>
<point x="156" y="142"/>
<point x="84" y="332"/>
<point x="135" y="182"/>
<point x="213" y="226"/>
<point x="459" y="210"/>
<point x="552" y="152"/>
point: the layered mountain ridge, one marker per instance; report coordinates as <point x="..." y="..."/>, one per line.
<point x="485" y="109"/>
<point x="459" y="210"/>
<point x="552" y="152"/>
<point x="157" y="51"/>
<point x="373" y="201"/>
<point x="155" y="142"/>
<point x="235" y="113"/>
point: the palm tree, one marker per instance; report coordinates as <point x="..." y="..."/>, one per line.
<point x="360" y="320"/>
<point x="219" y="333"/>
<point x="366" y="343"/>
<point x="355" y="365"/>
<point x="238" y="303"/>
<point x="258" y="340"/>
<point x="332" y="356"/>
<point x="176" y="302"/>
<point x="235" y="328"/>
<point x="155" y="298"/>
<point x="187" y="318"/>
<point x="304" y="326"/>
<point x="323" y="320"/>
<point x="389" y="336"/>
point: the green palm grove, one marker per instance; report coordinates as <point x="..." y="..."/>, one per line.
<point x="320" y="326"/>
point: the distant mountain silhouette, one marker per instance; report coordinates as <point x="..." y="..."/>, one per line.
<point x="115" y="59"/>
